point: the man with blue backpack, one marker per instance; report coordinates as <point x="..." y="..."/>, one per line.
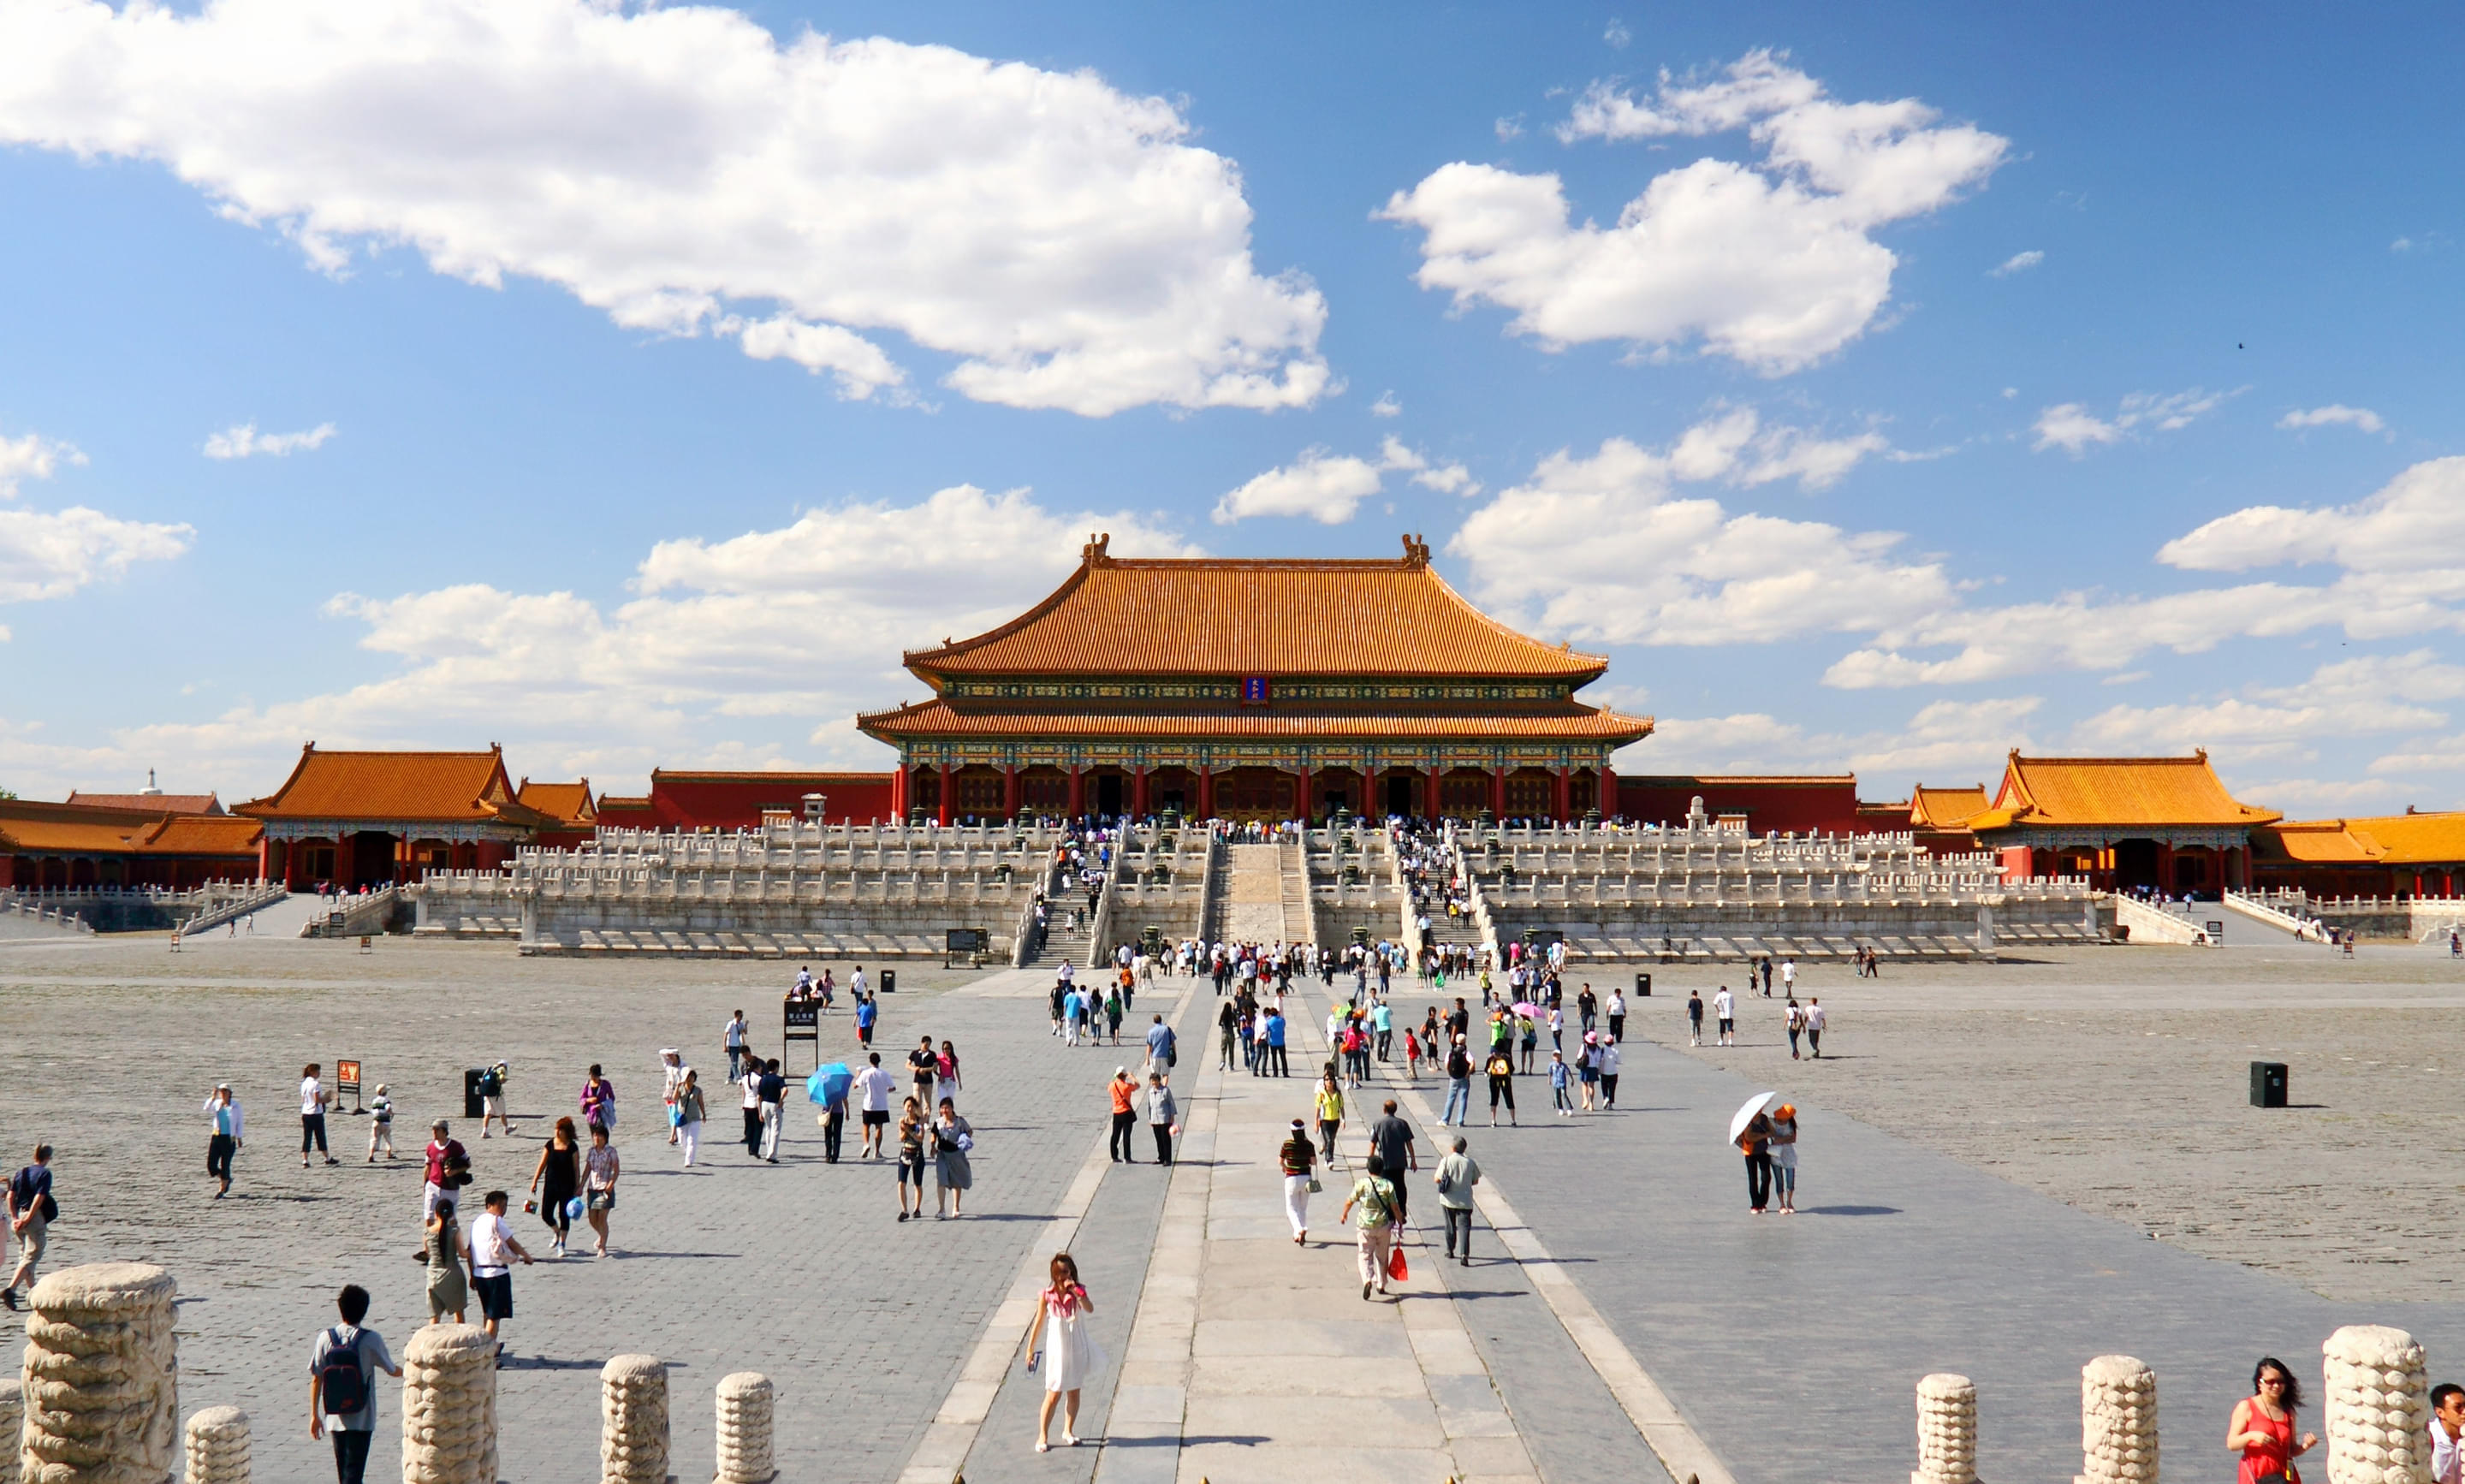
<point x="343" y="1386"/>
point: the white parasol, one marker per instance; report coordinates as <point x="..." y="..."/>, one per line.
<point x="1746" y="1115"/>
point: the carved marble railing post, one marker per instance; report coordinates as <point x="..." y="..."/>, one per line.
<point x="2117" y="1421"/>
<point x="1946" y="1430"/>
<point x="2378" y="1410"/>
<point x="744" y="1404"/>
<point x="101" y="1377"/>
<point x="448" y="1406"/>
<point x="219" y="1447"/>
<point x="633" y="1419"/>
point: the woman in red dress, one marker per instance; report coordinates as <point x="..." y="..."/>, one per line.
<point x="2262" y="1429"/>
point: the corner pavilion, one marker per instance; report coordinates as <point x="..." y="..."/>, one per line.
<point x="1253" y="689"/>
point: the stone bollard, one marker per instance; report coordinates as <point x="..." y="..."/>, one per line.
<point x="13" y="1427"/>
<point x="102" y="1379"/>
<point x="2378" y="1413"/>
<point x="744" y="1400"/>
<point x="449" y="1406"/>
<point x="633" y="1419"/>
<point x="2117" y="1421"/>
<point x="1946" y="1430"/>
<point x="219" y="1447"/>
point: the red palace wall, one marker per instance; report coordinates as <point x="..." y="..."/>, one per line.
<point x="735" y="801"/>
<point x="1789" y="806"/>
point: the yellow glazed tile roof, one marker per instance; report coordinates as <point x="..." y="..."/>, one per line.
<point x="2114" y="792"/>
<point x="398" y="785"/>
<point x="1945" y="808"/>
<point x="940" y="718"/>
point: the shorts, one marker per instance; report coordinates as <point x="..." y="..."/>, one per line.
<point x="492" y="1107"/>
<point x="495" y="1293"/>
<point x="911" y="1171"/>
<point x="875" y="1118"/>
<point x="1728" y="1024"/>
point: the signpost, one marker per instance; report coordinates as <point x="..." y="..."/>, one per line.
<point x="804" y="1023"/>
<point x="346" y="1079"/>
<point x="2217" y="933"/>
<point x="968" y="943"/>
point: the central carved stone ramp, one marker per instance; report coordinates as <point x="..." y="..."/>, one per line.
<point x="1257" y="895"/>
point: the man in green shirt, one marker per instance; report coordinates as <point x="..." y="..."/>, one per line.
<point x="1376" y="1197"/>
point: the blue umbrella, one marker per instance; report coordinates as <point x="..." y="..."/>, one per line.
<point x="829" y="1083"/>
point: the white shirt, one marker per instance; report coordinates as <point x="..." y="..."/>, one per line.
<point x="490" y="1245"/>
<point x="2447" y="1456"/>
<point x="214" y="1106"/>
<point x="312" y="1095"/>
<point x="1722" y="1004"/>
<point x="1814" y="1017"/>
<point x="1617" y="1003"/>
<point x="876" y="1086"/>
<point x="1788" y="973"/>
<point x="734" y="1036"/>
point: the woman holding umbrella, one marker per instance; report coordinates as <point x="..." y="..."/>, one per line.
<point x="828" y="1087"/>
<point x="1750" y="1132"/>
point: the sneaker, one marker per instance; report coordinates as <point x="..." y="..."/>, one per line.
<point x="903" y="1215"/>
<point x="9" y="1296"/>
<point x="1364" y="1295"/>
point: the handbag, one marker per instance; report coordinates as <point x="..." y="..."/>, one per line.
<point x="1397" y="1267"/>
<point x="1313" y="1186"/>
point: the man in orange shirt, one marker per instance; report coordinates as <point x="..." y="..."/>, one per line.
<point x="1124" y="1088"/>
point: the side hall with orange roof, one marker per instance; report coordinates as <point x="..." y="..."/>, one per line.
<point x="2127" y="824"/>
<point x="361" y="819"/>
<point x="63" y="846"/>
<point x="1253" y="689"/>
<point x="569" y="804"/>
<point x="2410" y="855"/>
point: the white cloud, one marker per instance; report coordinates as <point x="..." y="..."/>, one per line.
<point x="2411" y="533"/>
<point x="2335" y="414"/>
<point x="32" y="456"/>
<point x="1387" y="405"/>
<point x="1508" y="128"/>
<point x="1604" y="548"/>
<point x="1330" y="487"/>
<point x="684" y="171"/>
<point x="246" y="442"/>
<point x="1617" y="35"/>
<point x="2017" y="262"/>
<point x="2353" y="697"/>
<point x="51" y="554"/>
<point x="2073" y="429"/>
<point x="1946" y="742"/>
<point x="1772" y="265"/>
<point x="804" y="622"/>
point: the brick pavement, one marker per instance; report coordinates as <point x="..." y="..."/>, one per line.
<point x="799" y="1270"/>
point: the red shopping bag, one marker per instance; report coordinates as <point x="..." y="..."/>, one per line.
<point x="1397" y="1267"/>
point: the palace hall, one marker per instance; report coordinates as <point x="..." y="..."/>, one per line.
<point x="1253" y="689"/>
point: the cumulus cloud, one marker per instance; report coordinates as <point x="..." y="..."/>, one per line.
<point x="803" y="622"/>
<point x="2017" y="262"/>
<point x="1330" y="487"/>
<point x="2073" y="429"/>
<point x="685" y="172"/>
<point x="2335" y="414"/>
<point x="2351" y="698"/>
<point x="32" y="456"/>
<point x="1772" y="264"/>
<point x="246" y="442"/>
<point x="2400" y="554"/>
<point x="1604" y="547"/>
<point x="51" y="554"/>
<point x="1944" y="741"/>
<point x="1387" y="405"/>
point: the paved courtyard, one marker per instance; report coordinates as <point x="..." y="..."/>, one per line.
<point x="1987" y="1157"/>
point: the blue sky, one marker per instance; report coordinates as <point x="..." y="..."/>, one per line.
<point x="1879" y="392"/>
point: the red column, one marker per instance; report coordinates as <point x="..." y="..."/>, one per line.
<point x="1138" y="794"/>
<point x="1497" y="794"/>
<point x="1077" y="792"/>
<point x="942" y="816"/>
<point x="1437" y="808"/>
<point x="1206" y="790"/>
<point x="1308" y="811"/>
<point x="1608" y="791"/>
<point x="898" y="792"/>
<point x="1560" y="799"/>
<point x="1009" y="791"/>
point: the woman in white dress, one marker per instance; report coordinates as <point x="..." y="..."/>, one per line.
<point x="1062" y="1312"/>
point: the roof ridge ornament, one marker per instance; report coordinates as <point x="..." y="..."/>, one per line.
<point x="1416" y="550"/>
<point x="1092" y="554"/>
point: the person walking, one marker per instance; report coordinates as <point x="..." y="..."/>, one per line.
<point x="600" y="1168"/>
<point x="1330" y="1112"/>
<point x="1456" y="1174"/>
<point x="731" y="1037"/>
<point x="2261" y="1430"/>
<point x="691" y="1111"/>
<point x="953" y="1137"/>
<point x="1792" y="1019"/>
<point x="381" y="1123"/>
<point x="1783" y="1157"/>
<point x="1161" y="1116"/>
<point x="556" y="1179"/>
<point x="1276" y="1040"/>
<point x="1754" y="1141"/>
<point x="448" y="1292"/>
<point x="1163" y="1049"/>
<point x="491" y="1098"/>
<point x="1617" y="1014"/>
<point x="223" y="1139"/>
<point x="1561" y="1098"/>
<point x="874" y="1086"/>
<point x="1588" y="1068"/>
<point x="1694" y="1017"/>
<point x="1298" y="1159"/>
<point x="598" y="1100"/>
<point x="1788" y="978"/>
<point x="749" y="1102"/>
<point x="1060" y="1327"/>
<point x="1816" y="1020"/>
<point x="449" y="1166"/>
<point x="1725" y="1010"/>
<point x="493" y="1254"/>
<point x="773" y="1091"/>
<point x="1228" y="1030"/>
<point x="313" y="1102"/>
<point x="922" y="1067"/>
<point x="672" y="1074"/>
<point x="867" y="1013"/>
<point x="1502" y="1084"/>
<point x="911" y="1159"/>
<point x="1373" y="1196"/>
<point x="30" y="1213"/>
<point x="946" y="1084"/>
<point x="1458" y="1083"/>
<point x="1611" y="1057"/>
<point x="834" y="1120"/>
<point x="1390" y="1143"/>
<point x="341" y="1385"/>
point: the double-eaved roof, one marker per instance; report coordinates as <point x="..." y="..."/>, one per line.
<point x="1214" y="616"/>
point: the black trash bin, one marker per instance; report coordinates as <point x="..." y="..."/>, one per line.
<point x="1643" y="986"/>
<point x="2268" y="1084"/>
<point x="890" y="980"/>
<point x="473" y="1105"/>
